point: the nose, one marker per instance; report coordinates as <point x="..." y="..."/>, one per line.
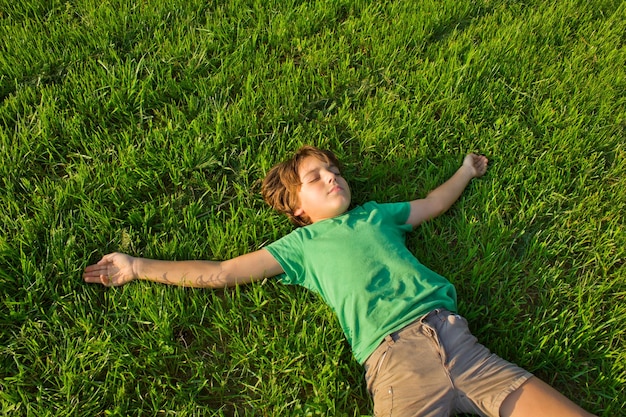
<point x="330" y="176"/>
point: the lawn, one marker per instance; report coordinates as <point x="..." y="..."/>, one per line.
<point x="146" y="127"/>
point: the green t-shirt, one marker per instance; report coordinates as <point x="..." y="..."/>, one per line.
<point x="359" y="264"/>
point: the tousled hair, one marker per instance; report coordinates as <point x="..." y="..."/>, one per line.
<point x="282" y="183"/>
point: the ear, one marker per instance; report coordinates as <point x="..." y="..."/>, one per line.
<point x="298" y="212"/>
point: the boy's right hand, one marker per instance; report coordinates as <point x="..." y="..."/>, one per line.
<point x="112" y="270"/>
<point x="477" y="164"/>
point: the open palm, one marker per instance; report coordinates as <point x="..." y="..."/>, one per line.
<point x="112" y="270"/>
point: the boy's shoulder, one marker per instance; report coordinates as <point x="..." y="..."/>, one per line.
<point x="397" y="211"/>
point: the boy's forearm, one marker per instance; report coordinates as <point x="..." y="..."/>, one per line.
<point x="199" y="274"/>
<point x="450" y="191"/>
<point x="441" y="198"/>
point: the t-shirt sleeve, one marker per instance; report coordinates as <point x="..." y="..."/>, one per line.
<point x="397" y="213"/>
<point x="288" y="253"/>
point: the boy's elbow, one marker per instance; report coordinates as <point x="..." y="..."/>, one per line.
<point x="213" y="276"/>
<point x="441" y="209"/>
<point x="228" y="275"/>
<point x="223" y="278"/>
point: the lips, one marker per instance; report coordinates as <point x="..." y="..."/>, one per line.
<point x="335" y="189"/>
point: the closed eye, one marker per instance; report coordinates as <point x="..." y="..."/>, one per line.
<point x="314" y="175"/>
<point x="335" y="170"/>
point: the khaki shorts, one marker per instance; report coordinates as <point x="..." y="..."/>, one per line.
<point x="436" y="367"/>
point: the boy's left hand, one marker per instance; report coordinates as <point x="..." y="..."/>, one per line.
<point x="477" y="164"/>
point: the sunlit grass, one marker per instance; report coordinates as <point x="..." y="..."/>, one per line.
<point x="146" y="128"/>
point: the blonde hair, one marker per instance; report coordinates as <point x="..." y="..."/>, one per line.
<point x="282" y="183"/>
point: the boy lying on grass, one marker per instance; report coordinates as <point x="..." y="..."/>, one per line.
<point x="420" y="358"/>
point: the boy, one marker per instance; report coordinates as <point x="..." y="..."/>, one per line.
<point x="419" y="356"/>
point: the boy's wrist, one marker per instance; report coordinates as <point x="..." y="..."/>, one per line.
<point x="467" y="172"/>
<point x="136" y="267"/>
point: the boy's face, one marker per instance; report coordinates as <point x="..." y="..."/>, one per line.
<point x="324" y="193"/>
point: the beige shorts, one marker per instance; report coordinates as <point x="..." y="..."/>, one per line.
<point x="436" y="367"/>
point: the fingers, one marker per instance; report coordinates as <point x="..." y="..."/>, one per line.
<point x="100" y="273"/>
<point x="111" y="271"/>
<point x="95" y="278"/>
<point x="96" y="274"/>
<point x="479" y="163"/>
<point x="94" y="271"/>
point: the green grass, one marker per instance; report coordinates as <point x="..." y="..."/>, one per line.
<point x="145" y="127"/>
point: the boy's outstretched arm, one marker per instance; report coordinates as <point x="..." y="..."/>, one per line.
<point x="441" y="198"/>
<point x="117" y="269"/>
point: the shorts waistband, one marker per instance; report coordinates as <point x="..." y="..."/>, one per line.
<point x="393" y="337"/>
